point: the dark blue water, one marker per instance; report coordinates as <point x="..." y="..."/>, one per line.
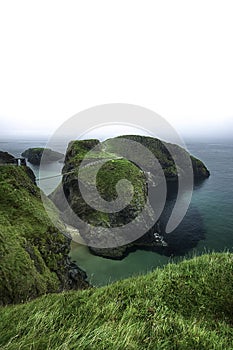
<point x="214" y="198"/>
<point x="207" y="225"/>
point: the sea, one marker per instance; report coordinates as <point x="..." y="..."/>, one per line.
<point x="207" y="226"/>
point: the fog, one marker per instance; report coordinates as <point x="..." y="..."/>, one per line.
<point x="174" y="58"/>
<point x="200" y="128"/>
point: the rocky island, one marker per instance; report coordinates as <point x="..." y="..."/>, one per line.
<point x="34" y="254"/>
<point x="116" y="168"/>
<point x="34" y="155"/>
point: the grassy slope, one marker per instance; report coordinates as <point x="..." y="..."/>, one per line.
<point x="159" y="149"/>
<point x="107" y="178"/>
<point x="33" y="252"/>
<point x="183" y="306"/>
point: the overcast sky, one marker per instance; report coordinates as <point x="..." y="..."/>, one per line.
<point x="58" y="58"/>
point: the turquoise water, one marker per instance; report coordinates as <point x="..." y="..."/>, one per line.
<point x="207" y="225"/>
<point x="102" y="271"/>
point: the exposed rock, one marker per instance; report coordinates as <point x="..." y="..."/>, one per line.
<point x="115" y="169"/>
<point x="6" y="158"/>
<point x="199" y="169"/>
<point x="160" y="150"/>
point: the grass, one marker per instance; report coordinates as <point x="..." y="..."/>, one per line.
<point x="160" y="151"/>
<point x="133" y="195"/>
<point x="109" y="175"/>
<point x="33" y="253"/>
<point x="188" y="305"/>
<point x="182" y="306"/>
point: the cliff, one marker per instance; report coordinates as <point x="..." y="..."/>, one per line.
<point x="115" y="169"/>
<point x="34" y="255"/>
<point x="161" y="152"/>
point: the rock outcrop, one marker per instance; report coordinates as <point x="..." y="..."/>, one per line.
<point x="6" y="158"/>
<point x="115" y="169"/>
<point x="34" y="254"/>
<point x="34" y="155"/>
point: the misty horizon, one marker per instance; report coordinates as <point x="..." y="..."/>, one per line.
<point x="198" y="128"/>
<point x="22" y="137"/>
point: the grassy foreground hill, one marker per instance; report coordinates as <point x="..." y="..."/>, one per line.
<point x="182" y="306"/>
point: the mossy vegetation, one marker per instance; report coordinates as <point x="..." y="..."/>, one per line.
<point x="107" y="178"/>
<point x="33" y="253"/>
<point x="180" y="307"/>
<point x="110" y="173"/>
<point x="160" y="150"/>
<point x="91" y="150"/>
<point x="102" y="166"/>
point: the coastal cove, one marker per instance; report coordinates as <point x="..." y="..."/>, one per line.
<point x="207" y="224"/>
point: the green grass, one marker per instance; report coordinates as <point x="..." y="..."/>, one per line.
<point x="108" y="176"/>
<point x="33" y="252"/>
<point x="160" y="151"/>
<point x="182" y="306"/>
<point x="77" y="150"/>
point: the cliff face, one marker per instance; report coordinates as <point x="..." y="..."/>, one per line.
<point x="34" y="255"/>
<point x="159" y="149"/>
<point x="115" y="169"/>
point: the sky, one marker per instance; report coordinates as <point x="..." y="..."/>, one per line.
<point x="58" y="58"/>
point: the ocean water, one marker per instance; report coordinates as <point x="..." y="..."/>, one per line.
<point x="16" y="147"/>
<point x="206" y="227"/>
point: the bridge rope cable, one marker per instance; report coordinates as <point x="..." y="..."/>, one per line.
<point x="51" y="177"/>
<point x="72" y="171"/>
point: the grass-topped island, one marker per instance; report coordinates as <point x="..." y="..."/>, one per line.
<point x="34" y="155"/>
<point x="82" y="160"/>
